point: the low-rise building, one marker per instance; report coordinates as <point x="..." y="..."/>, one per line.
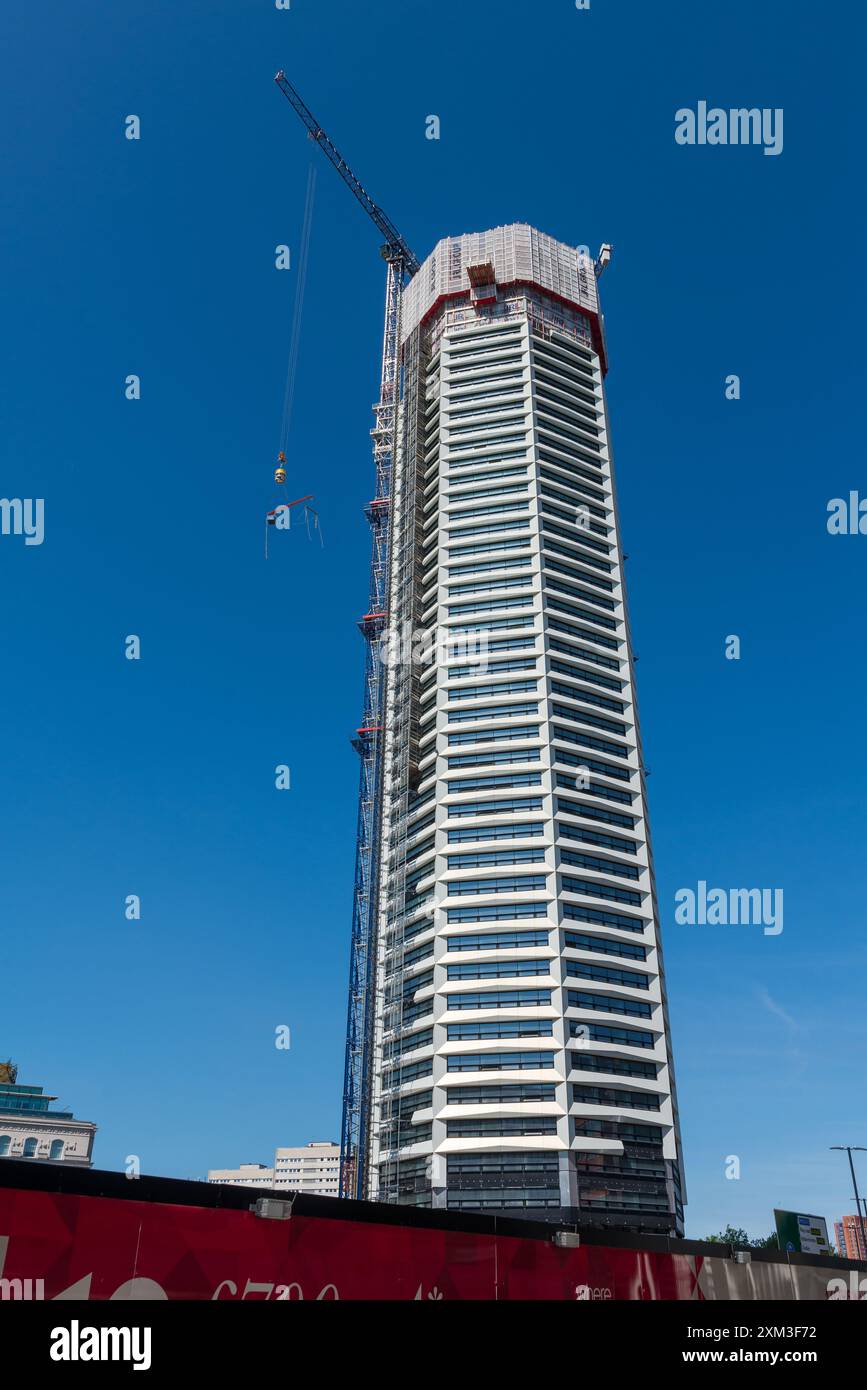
<point x="247" y="1175"/>
<point x="30" y="1129"/>
<point x="313" y="1167"/>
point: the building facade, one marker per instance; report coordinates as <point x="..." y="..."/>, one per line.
<point x="245" y="1175"/>
<point x="850" y="1235"/>
<point x="313" y="1167"/>
<point x="30" y="1129"/>
<point x="520" y="1059"/>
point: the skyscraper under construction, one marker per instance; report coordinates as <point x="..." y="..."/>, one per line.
<point x="508" y="1039"/>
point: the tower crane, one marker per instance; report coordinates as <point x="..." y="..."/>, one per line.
<point x="395" y="246"/>
<point x="369" y="740"/>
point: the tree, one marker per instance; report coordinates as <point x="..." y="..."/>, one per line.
<point x="736" y="1235"/>
<point x="732" y="1235"/>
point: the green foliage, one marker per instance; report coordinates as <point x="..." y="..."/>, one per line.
<point x="736" y="1235"/>
<point x="766" y="1242"/>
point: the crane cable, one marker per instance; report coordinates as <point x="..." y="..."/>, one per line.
<point x="294" y="344"/>
<point x="295" y="339"/>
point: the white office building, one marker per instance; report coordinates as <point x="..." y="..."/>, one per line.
<point x="245" y="1175"/>
<point x="521" y="1058"/>
<point x="313" y="1168"/>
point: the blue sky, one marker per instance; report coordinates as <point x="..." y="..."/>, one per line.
<point x="155" y="777"/>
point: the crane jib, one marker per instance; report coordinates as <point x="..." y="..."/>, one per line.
<point x="398" y="248"/>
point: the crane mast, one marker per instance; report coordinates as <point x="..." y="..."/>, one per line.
<point x="369" y="741"/>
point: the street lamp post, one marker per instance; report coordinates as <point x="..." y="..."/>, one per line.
<point x="850" y="1149"/>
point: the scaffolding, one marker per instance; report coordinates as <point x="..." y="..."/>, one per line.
<point x="401" y="763"/>
<point x="369" y="742"/>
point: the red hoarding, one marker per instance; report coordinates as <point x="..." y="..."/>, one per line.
<point x="109" y="1248"/>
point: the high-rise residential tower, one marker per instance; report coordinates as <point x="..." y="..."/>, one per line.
<point x="851" y="1238"/>
<point x="519" y="1057"/>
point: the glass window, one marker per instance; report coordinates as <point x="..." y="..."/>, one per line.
<point x="531" y="883"/>
<point x="484" y="858"/>
<point x="497" y="969"/>
<point x="604" y="945"/>
<point x="602" y="919"/>
<point x="496" y="912"/>
<point x="501" y="1028"/>
<point x="503" y="1094"/>
<point x="503" y="1061"/>
<point x="615" y="1095"/>
<point x="592" y="889"/>
<point x="500" y="999"/>
<point x="501" y="1126"/>
<point x="614" y="1066"/>
<point x="606" y="1003"/>
<point x="520" y="831"/>
<point x="496" y="808"/>
<point x="604" y="1032"/>
<point x="498" y="940"/>
<point x="473" y="712"/>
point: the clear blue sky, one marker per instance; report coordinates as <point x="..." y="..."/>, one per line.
<point x="155" y="777"/>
